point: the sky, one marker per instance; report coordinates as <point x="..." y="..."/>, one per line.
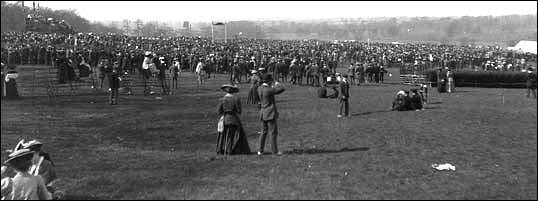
<point x="206" y="11"/>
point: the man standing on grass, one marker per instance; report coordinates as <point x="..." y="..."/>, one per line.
<point x="531" y="83"/>
<point x="344" y="98"/>
<point x="268" y="112"/>
<point x="114" y="84"/>
<point x="200" y="71"/>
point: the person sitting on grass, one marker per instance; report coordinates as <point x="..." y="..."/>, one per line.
<point x="23" y="186"/>
<point x="334" y="94"/>
<point x="423" y="91"/>
<point x="322" y="91"/>
<point x="401" y="102"/>
<point x="415" y="100"/>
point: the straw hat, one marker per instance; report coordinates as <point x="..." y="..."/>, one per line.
<point x="228" y="88"/>
<point x="19" y="155"/>
<point x="33" y="145"/>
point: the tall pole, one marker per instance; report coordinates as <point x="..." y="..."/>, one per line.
<point x="212" y="38"/>
<point x="225" y="34"/>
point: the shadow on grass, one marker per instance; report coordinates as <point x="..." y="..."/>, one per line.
<point x="370" y="112"/>
<point x="325" y="151"/>
<point x="461" y="92"/>
<point x="382" y="111"/>
<point x="437" y="102"/>
<point x="84" y="197"/>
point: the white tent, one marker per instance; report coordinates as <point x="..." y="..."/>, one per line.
<point x="525" y="46"/>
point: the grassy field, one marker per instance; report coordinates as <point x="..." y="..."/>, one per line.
<point x="145" y="148"/>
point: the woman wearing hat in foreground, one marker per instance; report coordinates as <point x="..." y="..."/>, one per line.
<point x="231" y="136"/>
<point x="23" y="186"/>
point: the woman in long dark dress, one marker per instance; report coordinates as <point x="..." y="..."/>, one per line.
<point x="231" y="136"/>
<point x="253" y="97"/>
<point x="10" y="85"/>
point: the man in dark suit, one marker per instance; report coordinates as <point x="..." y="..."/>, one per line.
<point x="531" y="83"/>
<point x="344" y="98"/>
<point x="268" y="112"/>
<point x="441" y="86"/>
<point x="114" y="84"/>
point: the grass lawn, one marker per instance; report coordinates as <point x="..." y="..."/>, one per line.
<point x="145" y="148"/>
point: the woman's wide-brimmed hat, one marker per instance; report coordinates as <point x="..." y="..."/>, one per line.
<point x="228" y="88"/>
<point x="19" y="154"/>
<point x="33" y="145"/>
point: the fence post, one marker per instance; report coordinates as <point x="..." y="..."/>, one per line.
<point x="33" y="83"/>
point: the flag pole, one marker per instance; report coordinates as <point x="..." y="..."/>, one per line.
<point x="212" y="37"/>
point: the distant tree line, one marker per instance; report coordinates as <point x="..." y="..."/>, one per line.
<point x="13" y="19"/>
<point x="503" y="30"/>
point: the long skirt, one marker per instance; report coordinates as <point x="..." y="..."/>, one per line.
<point x="253" y="97"/>
<point x="232" y="140"/>
<point x="11" y="89"/>
<point x="2" y="85"/>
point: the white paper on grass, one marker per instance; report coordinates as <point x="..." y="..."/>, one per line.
<point x="445" y="166"/>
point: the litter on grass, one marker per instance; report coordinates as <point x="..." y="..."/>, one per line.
<point x="446" y="166"/>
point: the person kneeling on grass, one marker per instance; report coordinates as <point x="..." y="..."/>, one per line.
<point x="23" y="186"/>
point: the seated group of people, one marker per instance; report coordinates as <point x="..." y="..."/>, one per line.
<point x="331" y="84"/>
<point x="322" y="92"/>
<point x="408" y="100"/>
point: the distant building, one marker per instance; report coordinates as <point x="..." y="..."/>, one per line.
<point x="525" y="46"/>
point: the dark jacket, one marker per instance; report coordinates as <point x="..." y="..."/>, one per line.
<point x="416" y="102"/>
<point x="531" y="80"/>
<point x="322" y="92"/>
<point x="334" y="94"/>
<point x="114" y="80"/>
<point x="268" y="109"/>
<point x="344" y="90"/>
<point x="230" y="107"/>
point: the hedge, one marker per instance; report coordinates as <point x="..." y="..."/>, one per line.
<point x="494" y="79"/>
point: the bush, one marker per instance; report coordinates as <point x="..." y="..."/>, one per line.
<point x="495" y="79"/>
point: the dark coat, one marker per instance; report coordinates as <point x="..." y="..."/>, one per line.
<point x="230" y="107"/>
<point x="268" y="109"/>
<point x="322" y="92"/>
<point x="415" y="102"/>
<point x="344" y="90"/>
<point x="114" y="80"/>
<point x="531" y="80"/>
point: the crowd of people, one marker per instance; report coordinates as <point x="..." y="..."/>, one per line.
<point x="262" y="63"/>
<point x="288" y="60"/>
